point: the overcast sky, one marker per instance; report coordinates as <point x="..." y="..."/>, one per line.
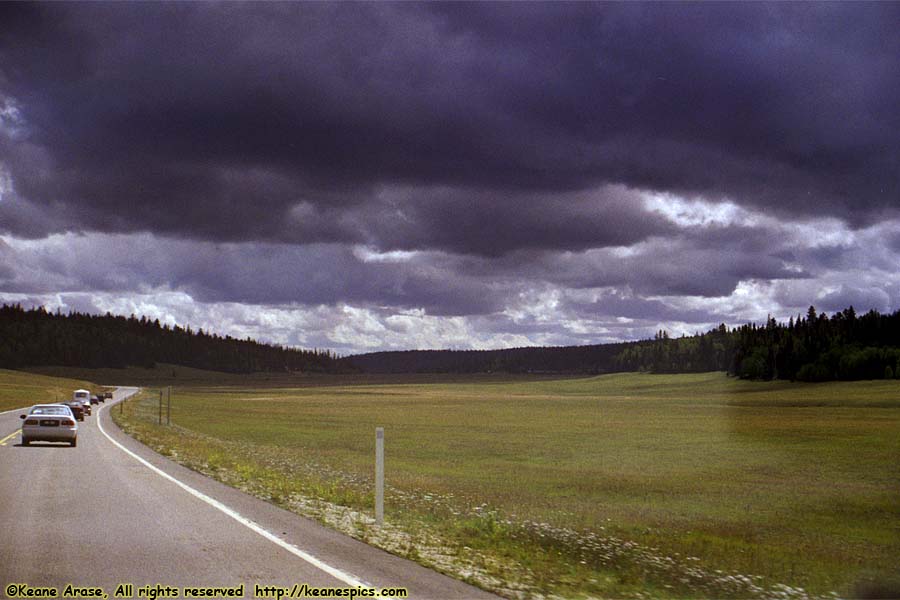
<point x="379" y="176"/>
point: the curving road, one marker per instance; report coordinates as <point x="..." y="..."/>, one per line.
<point x="99" y="515"/>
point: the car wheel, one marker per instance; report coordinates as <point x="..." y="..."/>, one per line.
<point x="73" y="443"/>
<point x="25" y="442"/>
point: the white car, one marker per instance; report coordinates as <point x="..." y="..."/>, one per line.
<point x="49" y="423"/>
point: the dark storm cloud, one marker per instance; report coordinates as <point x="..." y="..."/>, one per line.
<point x="287" y="121"/>
<point x="6" y="263"/>
<point x="255" y="274"/>
<point x="865" y="298"/>
<point x="615" y="304"/>
<point x="441" y="283"/>
<point x="894" y="241"/>
<point x="688" y="273"/>
<point x="493" y="223"/>
<point x="830" y="256"/>
<point x="686" y="264"/>
<point x="325" y="275"/>
<point x="381" y="175"/>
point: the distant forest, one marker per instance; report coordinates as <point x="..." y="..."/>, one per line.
<point x="812" y="347"/>
<point x="559" y="359"/>
<point x="30" y="338"/>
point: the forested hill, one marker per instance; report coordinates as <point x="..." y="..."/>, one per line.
<point x="814" y="347"/>
<point x="36" y="337"/>
<point x="566" y="359"/>
<point x="819" y="348"/>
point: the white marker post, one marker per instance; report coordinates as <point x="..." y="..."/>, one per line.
<point x="379" y="475"/>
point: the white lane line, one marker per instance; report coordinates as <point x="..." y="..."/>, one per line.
<point x="14" y="410"/>
<point x="334" y="572"/>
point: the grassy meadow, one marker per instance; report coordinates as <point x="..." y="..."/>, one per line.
<point x="19" y="389"/>
<point x="620" y="485"/>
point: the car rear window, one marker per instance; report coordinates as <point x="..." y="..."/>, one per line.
<point x="50" y="410"/>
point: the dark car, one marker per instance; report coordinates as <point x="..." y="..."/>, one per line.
<point x="106" y="396"/>
<point x="77" y="408"/>
<point x="95" y="399"/>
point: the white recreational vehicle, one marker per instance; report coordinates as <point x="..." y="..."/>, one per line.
<point x="83" y="396"/>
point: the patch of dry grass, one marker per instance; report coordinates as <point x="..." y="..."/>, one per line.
<point x="19" y="389"/>
<point x="682" y="486"/>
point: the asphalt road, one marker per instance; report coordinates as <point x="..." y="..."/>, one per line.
<point x="96" y="516"/>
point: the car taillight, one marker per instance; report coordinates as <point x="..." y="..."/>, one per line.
<point x="31" y="421"/>
<point x="66" y="423"/>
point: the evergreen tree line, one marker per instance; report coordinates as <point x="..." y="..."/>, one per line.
<point x="563" y="360"/>
<point x="37" y="337"/>
<point x="814" y="347"/>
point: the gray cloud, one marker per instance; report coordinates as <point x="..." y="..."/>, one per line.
<point x="495" y="223"/>
<point x="449" y="171"/>
<point x="629" y="306"/>
<point x="866" y="298"/>
<point x="682" y="265"/>
<point x="156" y="117"/>
<point x="357" y="300"/>
<point x="270" y="274"/>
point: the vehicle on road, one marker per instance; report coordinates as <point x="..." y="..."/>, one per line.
<point x="95" y="399"/>
<point x="49" y="423"/>
<point x="83" y="396"/>
<point x="106" y="396"/>
<point x="77" y="409"/>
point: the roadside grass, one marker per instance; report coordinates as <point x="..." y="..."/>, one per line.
<point x="19" y="389"/>
<point x="615" y="486"/>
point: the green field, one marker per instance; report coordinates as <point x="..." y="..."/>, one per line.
<point x="620" y="485"/>
<point x="21" y="390"/>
